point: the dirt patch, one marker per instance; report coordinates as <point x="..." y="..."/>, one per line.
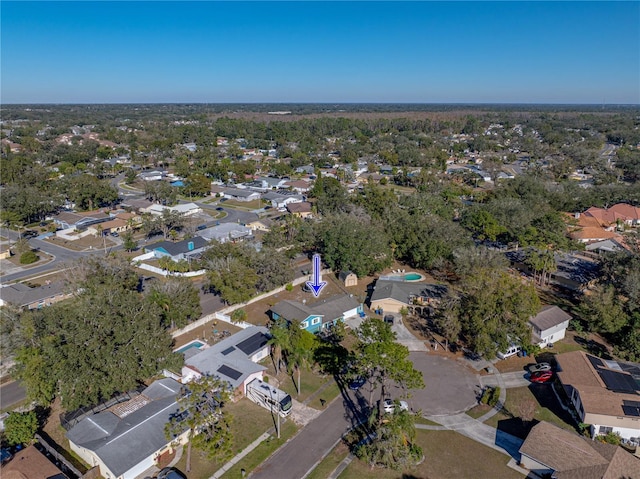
<point x="88" y="242"/>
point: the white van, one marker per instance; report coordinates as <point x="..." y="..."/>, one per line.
<point x="513" y="350"/>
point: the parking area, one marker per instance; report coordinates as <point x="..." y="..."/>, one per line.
<point x="449" y="386"/>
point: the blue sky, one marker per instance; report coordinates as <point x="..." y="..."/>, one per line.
<point x="423" y="52"/>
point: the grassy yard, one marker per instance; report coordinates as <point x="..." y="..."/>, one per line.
<point x="262" y="452"/>
<point x="245" y="205"/>
<point x="447" y="455"/>
<point x="329" y="463"/>
<point x="547" y="409"/>
<point x="249" y="422"/>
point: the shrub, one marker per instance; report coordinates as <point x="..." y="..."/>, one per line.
<point x="490" y="396"/>
<point x="28" y="257"/>
<point x="289" y="287"/>
<point x="20" y="427"/>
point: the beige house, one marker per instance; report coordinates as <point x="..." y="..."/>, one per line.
<point x="263" y="224"/>
<point x="301" y="209"/>
<point x="605" y="393"/>
<point x="555" y="452"/>
<point x="391" y="296"/>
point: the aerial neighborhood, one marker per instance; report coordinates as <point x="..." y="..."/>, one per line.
<point x="314" y="291"/>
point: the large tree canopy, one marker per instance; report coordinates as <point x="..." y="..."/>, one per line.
<point x="108" y="339"/>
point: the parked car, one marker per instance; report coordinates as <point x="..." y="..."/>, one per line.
<point x="29" y="234"/>
<point x="541" y="377"/>
<point x="389" y="405"/>
<point x="114" y="234"/>
<point x="170" y="473"/>
<point x="533" y="368"/>
<point x="357" y="383"/>
<point x="388" y="318"/>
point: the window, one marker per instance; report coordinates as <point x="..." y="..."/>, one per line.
<point x="315" y="321"/>
<point x="605" y="430"/>
<point x="304" y="324"/>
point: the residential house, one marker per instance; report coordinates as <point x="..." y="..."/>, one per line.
<point x="605" y="393"/>
<point x="549" y="325"/>
<point x="154" y="175"/>
<point x="301" y="209"/>
<point x="391" y="296"/>
<point x="616" y="215"/>
<point x="67" y="220"/>
<point x="185" y="209"/>
<point x="550" y="451"/>
<point x="29" y="463"/>
<point x="299" y="186"/>
<point x="234" y="359"/>
<point x="270" y="182"/>
<point x="113" y="226"/>
<point x="319" y="316"/>
<point x="128" y="438"/>
<point x="243" y="195"/>
<point x="588" y="229"/>
<point x="348" y="278"/>
<point x="573" y="272"/>
<point x="307" y="169"/>
<point x="262" y="224"/>
<point x="281" y="198"/>
<point x="25" y="297"/>
<point x="226" y="232"/>
<point x="179" y="250"/>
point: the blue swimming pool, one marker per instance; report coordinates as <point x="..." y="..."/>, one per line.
<point x="193" y="344"/>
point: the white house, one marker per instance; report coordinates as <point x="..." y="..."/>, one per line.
<point x="281" y="198"/>
<point x="549" y="325"/>
<point x="234" y="360"/>
<point x="239" y="194"/>
<point x="186" y="209"/>
<point x="128" y="438"/>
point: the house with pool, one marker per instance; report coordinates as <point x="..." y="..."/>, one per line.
<point x="319" y="316"/>
<point x="234" y="359"/>
<point x="392" y="294"/>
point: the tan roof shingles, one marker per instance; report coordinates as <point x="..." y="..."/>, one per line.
<point x="577" y="371"/>
<point x="30" y="463"/>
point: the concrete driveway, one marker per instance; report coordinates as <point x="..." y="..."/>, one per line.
<point x="450" y="388"/>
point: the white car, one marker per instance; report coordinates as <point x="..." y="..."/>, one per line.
<point x="534" y="368"/>
<point x="389" y="405"/>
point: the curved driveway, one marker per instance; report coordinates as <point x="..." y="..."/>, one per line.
<point x="450" y="387"/>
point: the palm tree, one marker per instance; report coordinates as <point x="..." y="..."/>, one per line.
<point x="279" y="343"/>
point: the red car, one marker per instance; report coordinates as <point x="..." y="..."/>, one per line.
<point x="541" y="376"/>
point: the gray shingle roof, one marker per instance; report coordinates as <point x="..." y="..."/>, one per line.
<point x="231" y="356"/>
<point x="20" y="294"/>
<point x="122" y="443"/>
<point x="292" y="310"/>
<point x="401" y="291"/>
<point x="549" y="317"/>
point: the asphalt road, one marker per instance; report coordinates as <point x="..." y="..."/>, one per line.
<point x="298" y="456"/>
<point x="11" y="393"/>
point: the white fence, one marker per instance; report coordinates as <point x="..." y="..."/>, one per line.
<point x="138" y="263"/>
<point x="224" y="313"/>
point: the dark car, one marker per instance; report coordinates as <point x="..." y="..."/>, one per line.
<point x="114" y="234"/>
<point x="388" y="318"/>
<point x="29" y="234"/>
<point x="357" y="383"/>
<point x="541" y="376"/>
<point x="219" y="208"/>
<point x="170" y="473"/>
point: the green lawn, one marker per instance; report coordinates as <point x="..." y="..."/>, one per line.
<point x="447" y="455"/>
<point x="262" y="452"/>
<point x="249" y="422"/>
<point x="329" y="463"/>
<point x="547" y="409"/>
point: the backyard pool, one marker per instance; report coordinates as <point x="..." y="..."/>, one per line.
<point x="193" y="344"/>
<point x="410" y="277"/>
